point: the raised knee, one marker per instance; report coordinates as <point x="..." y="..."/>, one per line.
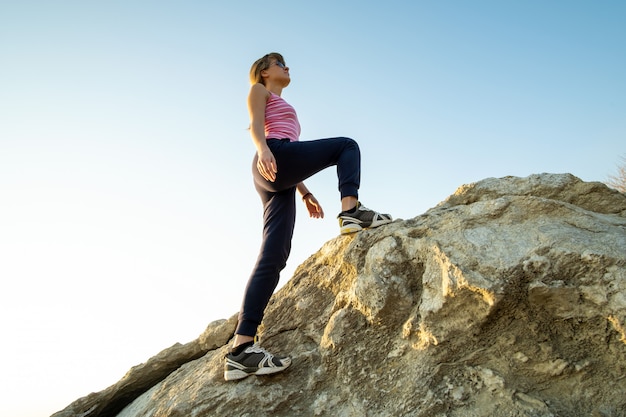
<point x="350" y="142"/>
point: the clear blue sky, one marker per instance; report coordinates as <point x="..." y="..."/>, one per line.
<point x="128" y="219"/>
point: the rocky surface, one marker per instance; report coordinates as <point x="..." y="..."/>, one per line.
<point x="507" y="299"/>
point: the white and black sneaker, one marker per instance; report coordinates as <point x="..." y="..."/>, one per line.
<point x="253" y="360"/>
<point x="361" y="218"/>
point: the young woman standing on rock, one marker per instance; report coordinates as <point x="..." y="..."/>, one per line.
<point x="280" y="165"/>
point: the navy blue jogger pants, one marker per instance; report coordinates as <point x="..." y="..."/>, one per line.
<point x="296" y="161"/>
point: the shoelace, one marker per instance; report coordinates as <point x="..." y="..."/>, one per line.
<point x="258" y="349"/>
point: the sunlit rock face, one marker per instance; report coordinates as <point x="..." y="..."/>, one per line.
<point x="507" y="299"/>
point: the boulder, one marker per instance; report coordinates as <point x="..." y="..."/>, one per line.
<point x="506" y="299"/>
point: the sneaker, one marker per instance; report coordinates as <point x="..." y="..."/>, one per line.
<point x="363" y="218"/>
<point x="254" y="360"/>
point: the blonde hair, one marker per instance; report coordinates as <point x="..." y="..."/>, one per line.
<point x="262" y="64"/>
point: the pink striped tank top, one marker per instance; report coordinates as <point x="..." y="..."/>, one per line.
<point x="281" y="120"/>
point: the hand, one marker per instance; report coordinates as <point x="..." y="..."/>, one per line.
<point x="266" y="165"/>
<point x="314" y="207"/>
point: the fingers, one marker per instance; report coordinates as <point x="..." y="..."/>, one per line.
<point x="273" y="169"/>
<point x="320" y="212"/>
<point x="269" y="172"/>
<point x="266" y="164"/>
<point x="315" y="209"/>
<point x="267" y="169"/>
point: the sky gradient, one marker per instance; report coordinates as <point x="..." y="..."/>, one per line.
<point x="128" y="218"/>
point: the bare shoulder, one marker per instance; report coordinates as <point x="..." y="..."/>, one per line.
<point x="257" y="100"/>
<point x="258" y="90"/>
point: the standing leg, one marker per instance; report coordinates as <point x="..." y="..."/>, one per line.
<point x="279" y="214"/>
<point x="279" y="211"/>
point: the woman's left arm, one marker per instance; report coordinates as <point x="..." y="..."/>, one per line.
<point x="312" y="205"/>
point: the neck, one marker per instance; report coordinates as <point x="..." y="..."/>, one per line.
<point x="274" y="88"/>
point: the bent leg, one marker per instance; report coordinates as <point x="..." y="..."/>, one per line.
<point x="297" y="161"/>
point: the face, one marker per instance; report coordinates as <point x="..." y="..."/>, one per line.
<point x="278" y="71"/>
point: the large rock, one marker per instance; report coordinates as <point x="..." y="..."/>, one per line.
<point x="507" y="299"/>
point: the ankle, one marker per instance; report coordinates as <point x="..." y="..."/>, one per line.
<point x="240" y="339"/>
<point x="236" y="350"/>
<point x="349" y="203"/>
<point x="240" y="342"/>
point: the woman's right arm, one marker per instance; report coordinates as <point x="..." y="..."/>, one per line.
<point x="257" y="100"/>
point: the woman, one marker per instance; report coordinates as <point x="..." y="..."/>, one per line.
<point x="280" y="165"/>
